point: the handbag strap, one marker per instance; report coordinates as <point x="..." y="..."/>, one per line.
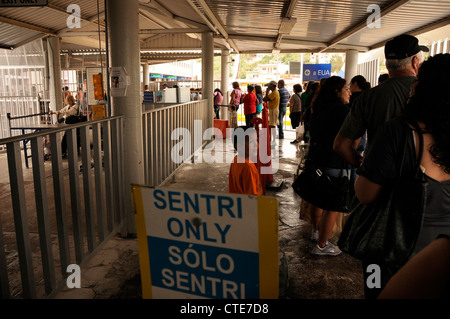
<point x="415" y="128"/>
<point x="421" y="147"/>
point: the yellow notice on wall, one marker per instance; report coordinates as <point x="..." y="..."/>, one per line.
<point x="195" y="244"/>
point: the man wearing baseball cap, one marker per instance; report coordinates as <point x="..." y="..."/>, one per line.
<point x="383" y="102"/>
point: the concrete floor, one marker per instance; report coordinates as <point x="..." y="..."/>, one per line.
<point x="309" y="277"/>
<point x="114" y="271"/>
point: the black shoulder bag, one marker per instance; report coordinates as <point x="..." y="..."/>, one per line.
<point x="387" y="229"/>
<point x="327" y="192"/>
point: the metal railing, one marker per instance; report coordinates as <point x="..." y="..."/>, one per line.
<point x="61" y="212"/>
<point x="158" y="127"/>
<point x="77" y="205"/>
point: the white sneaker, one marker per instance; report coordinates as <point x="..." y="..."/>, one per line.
<point x="328" y="250"/>
<point x="314" y="235"/>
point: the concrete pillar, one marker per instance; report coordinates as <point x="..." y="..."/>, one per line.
<point x="208" y="72"/>
<point x="146" y="74"/>
<point x="225" y="82"/>
<point x="54" y="72"/>
<point x="123" y="39"/>
<point x="351" y="64"/>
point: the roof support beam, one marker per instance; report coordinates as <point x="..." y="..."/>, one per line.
<point x="363" y="24"/>
<point x="80" y="33"/>
<point x="27" y="26"/>
<point x="211" y="20"/>
<point x="86" y="19"/>
<point x="154" y="19"/>
<point x="92" y="19"/>
<point x="288" y="16"/>
<point x="172" y="31"/>
<point x="271" y="39"/>
<point x="157" y="8"/>
<point x="426" y="28"/>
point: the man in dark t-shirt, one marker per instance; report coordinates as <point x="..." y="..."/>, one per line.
<point x="384" y="102"/>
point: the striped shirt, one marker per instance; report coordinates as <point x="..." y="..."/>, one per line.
<point x="284" y="97"/>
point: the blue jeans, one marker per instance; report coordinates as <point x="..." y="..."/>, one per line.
<point x="217" y="112"/>
<point x="280" y="122"/>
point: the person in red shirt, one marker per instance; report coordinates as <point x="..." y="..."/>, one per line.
<point x="249" y="101"/>
<point x="243" y="175"/>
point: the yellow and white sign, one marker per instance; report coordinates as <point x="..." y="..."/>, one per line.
<point x="206" y="244"/>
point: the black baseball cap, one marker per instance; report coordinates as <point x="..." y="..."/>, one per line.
<point x="402" y="47"/>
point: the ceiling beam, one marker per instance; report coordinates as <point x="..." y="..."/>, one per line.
<point x="160" y="8"/>
<point x="173" y="31"/>
<point x="258" y="38"/>
<point x="80" y="33"/>
<point x="36" y="37"/>
<point x="156" y="8"/>
<point x="394" y="5"/>
<point x="28" y="26"/>
<point x="212" y="21"/>
<point x="288" y="16"/>
<point x="86" y="19"/>
<point x="91" y="19"/>
<point x="154" y="20"/>
<point x="423" y="29"/>
<point x="291" y="51"/>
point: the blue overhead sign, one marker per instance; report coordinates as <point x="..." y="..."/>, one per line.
<point x="315" y="72"/>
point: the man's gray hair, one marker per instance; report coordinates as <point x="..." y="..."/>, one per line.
<point x="397" y="65"/>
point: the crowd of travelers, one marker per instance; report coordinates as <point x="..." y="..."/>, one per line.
<point x="373" y="136"/>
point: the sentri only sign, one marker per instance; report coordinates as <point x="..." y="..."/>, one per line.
<point x="206" y="244"/>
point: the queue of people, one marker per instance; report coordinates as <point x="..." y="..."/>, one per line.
<point x="355" y="130"/>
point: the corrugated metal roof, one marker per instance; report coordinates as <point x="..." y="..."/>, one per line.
<point x="411" y="16"/>
<point x="10" y="35"/>
<point x="247" y="26"/>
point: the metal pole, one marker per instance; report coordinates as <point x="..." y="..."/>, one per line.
<point x="108" y="84"/>
<point x="146" y="76"/>
<point x="123" y="34"/>
<point x="54" y="64"/>
<point x="208" y="72"/>
<point x="225" y="82"/>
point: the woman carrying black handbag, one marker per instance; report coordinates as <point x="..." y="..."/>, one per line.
<point x="420" y="218"/>
<point x="329" y="109"/>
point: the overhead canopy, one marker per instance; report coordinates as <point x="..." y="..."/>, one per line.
<point x="251" y="26"/>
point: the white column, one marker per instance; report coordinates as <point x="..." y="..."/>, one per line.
<point x="208" y="71"/>
<point x="225" y="82"/>
<point x="146" y="74"/>
<point x="351" y="64"/>
<point x="54" y="67"/>
<point x="123" y="32"/>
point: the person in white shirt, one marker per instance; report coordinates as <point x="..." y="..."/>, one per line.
<point x="70" y="109"/>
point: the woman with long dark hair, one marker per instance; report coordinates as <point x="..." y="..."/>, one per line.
<point x="329" y="110"/>
<point x="427" y="113"/>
